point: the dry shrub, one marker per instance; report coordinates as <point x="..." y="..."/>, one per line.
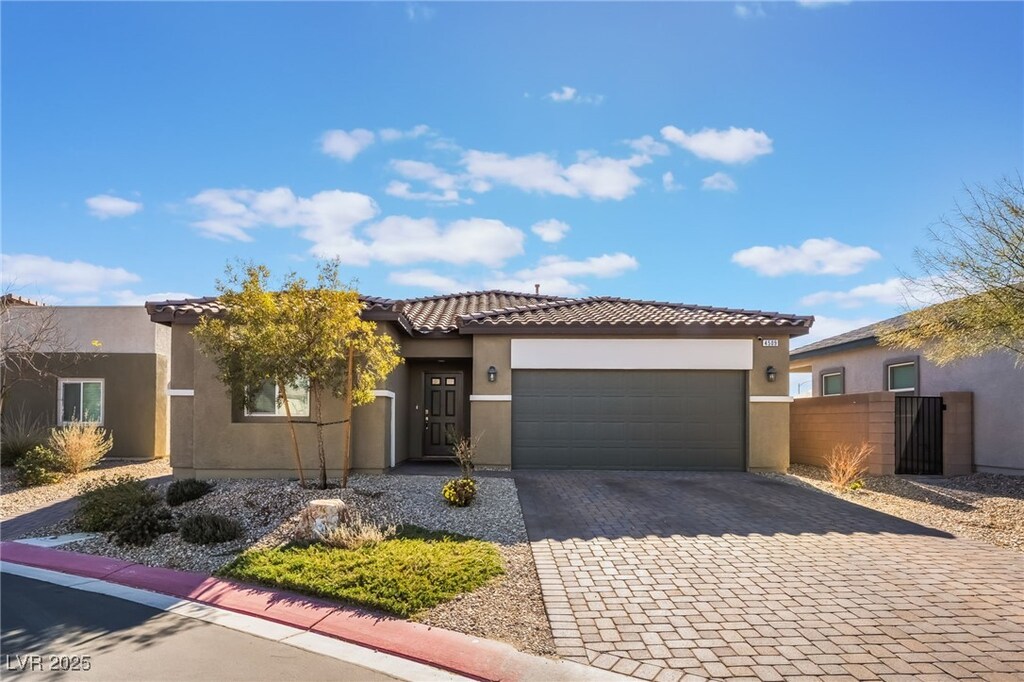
<point x="80" y="446"/>
<point x="356" y="532"/>
<point x="847" y="463"/>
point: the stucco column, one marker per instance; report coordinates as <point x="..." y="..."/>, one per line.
<point x="958" y="433"/>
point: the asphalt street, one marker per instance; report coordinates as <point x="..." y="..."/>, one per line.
<point x="45" y="628"/>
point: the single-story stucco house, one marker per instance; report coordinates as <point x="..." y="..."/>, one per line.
<point x="541" y="381"/>
<point x="988" y="388"/>
<point x="106" y="365"/>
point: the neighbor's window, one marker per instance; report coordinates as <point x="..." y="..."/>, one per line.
<point x="832" y="383"/>
<point x="902" y="376"/>
<point x="267" y="403"/>
<point x="80" y="400"/>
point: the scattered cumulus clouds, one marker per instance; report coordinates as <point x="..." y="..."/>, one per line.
<point x="105" y="206"/>
<point x="895" y="291"/>
<point x="447" y="184"/>
<point x="718" y="182"/>
<point x="426" y="279"/>
<point x="400" y="240"/>
<point x="346" y="145"/>
<point x="550" y="231"/>
<point x="570" y="94"/>
<point x="649" y="146"/>
<point x="65" y="277"/>
<point x="668" y="181"/>
<point x="734" y="145"/>
<point x="592" y="176"/>
<point x="813" y="257"/>
<point x="553" y="273"/>
<point x="394" y="134"/>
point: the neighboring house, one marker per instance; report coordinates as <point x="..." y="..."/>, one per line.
<point x="541" y="381"/>
<point x="854" y="363"/>
<point x="99" y="364"/>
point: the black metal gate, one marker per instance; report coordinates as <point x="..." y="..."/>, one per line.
<point x="918" y="435"/>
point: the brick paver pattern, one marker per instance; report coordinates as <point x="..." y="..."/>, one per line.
<point x="668" y="575"/>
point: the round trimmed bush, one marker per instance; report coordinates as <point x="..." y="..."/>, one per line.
<point x="38" y="466"/>
<point x="459" y="492"/>
<point x="105" y="503"/>
<point x="187" y="489"/>
<point x="209" y="529"/>
<point x="144" y="527"/>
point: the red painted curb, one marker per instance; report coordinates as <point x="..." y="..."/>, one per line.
<point x="462" y="654"/>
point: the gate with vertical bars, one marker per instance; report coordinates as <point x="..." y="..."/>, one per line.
<point x="918" y="435"/>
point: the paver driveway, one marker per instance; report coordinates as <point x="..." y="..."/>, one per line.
<point x="659" y="575"/>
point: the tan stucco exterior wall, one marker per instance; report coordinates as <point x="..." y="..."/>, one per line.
<point x="768" y="421"/>
<point x="491" y="420"/>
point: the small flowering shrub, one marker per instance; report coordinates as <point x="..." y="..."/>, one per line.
<point x="39" y="466"/>
<point x="459" y="492"/>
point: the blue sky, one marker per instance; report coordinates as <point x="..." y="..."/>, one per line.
<point x="775" y="156"/>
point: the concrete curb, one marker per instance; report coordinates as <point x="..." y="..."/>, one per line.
<point x="462" y="654"/>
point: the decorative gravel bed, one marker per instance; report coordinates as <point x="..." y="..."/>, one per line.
<point x="510" y="608"/>
<point x="984" y="507"/>
<point x="15" y="500"/>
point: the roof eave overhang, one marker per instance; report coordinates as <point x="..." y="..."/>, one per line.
<point x="838" y="348"/>
<point x="702" y="331"/>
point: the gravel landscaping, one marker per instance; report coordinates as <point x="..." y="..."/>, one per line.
<point x="984" y="507"/>
<point x="509" y="608"/>
<point x="15" y="500"/>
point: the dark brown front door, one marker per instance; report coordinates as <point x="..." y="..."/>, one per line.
<point x="443" y="412"/>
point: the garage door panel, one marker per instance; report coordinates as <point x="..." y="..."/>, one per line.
<point x="665" y="419"/>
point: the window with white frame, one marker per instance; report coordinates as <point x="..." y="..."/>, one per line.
<point x="901" y="376"/>
<point x="832" y="383"/>
<point x="268" y="402"/>
<point x="80" y="400"/>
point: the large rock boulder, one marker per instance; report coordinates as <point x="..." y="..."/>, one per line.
<point x="320" y="517"/>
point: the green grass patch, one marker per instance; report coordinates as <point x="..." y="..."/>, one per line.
<point x="413" y="571"/>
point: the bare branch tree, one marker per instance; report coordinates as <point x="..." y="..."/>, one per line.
<point x="31" y="338"/>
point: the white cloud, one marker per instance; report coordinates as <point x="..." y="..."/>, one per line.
<point x="400" y="240"/>
<point x="403" y="190"/>
<point x="346" y="145"/>
<point x="67" y="277"/>
<point x="649" y="146"/>
<point x="550" y="231"/>
<point x="553" y="273"/>
<point x="596" y="177"/>
<point x="415" y="11"/>
<point x="813" y="257"/>
<point x="570" y="94"/>
<point x="720" y="182"/>
<point x="734" y="145"/>
<point x="895" y="291"/>
<point x="105" y="206"/>
<point x="668" y="181"/>
<point x="427" y="279"/>
<point x="447" y="184"/>
<point x="825" y="327"/>
<point x="327" y="218"/>
<point x="394" y="134"/>
<point x="749" y="11"/>
<point x="129" y="297"/>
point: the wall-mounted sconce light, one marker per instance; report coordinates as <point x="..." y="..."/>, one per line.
<point x="492" y="374"/>
<point x="770" y="373"/>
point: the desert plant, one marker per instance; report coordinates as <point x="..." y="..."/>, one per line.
<point x="104" y="503"/>
<point x="464" y="451"/>
<point x="39" y="466"/>
<point x="143" y="527"/>
<point x="209" y="529"/>
<point x="19" y="434"/>
<point x="80" y="445"/>
<point x="459" y="492"/>
<point x="846" y="463"/>
<point x="354" y="533"/>
<point x="187" y="489"/>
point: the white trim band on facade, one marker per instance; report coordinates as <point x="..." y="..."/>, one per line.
<point x="771" y="399"/>
<point x="381" y="393"/>
<point x="633" y="354"/>
<point x="490" y="398"/>
<point x="181" y="392"/>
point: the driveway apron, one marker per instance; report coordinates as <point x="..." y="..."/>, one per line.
<point x="660" y="575"/>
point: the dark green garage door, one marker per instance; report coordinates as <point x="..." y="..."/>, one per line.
<point x="635" y="419"/>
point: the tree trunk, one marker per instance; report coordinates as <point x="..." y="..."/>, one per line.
<point x="291" y="426"/>
<point x="316" y="390"/>
<point x="347" y="436"/>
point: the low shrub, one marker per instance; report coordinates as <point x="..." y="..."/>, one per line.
<point x="80" y="445"/>
<point x="459" y="492"/>
<point x="39" y="466"/>
<point x="19" y="435"/>
<point x="847" y="463"/>
<point x="143" y="527"/>
<point x="187" y="489"/>
<point x="209" y="529"/>
<point x="355" y="533"/>
<point x="105" y="502"/>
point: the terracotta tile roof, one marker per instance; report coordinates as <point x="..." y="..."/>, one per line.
<point x="192" y="308"/>
<point x="607" y="312"/>
<point x="441" y="313"/>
